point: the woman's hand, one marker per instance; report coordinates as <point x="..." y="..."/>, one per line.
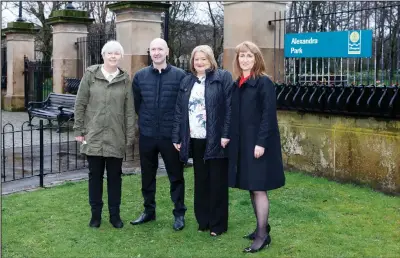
<point x="258" y="151"/>
<point x="80" y="139"/>
<point x="177" y="146"/>
<point x="224" y="142"/>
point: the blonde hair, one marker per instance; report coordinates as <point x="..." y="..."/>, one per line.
<point x="207" y="50"/>
<point x="259" y="64"/>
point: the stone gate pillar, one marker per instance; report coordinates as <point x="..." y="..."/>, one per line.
<point x="20" y="41"/>
<point x="3" y="71"/>
<point x="249" y="21"/>
<point x="137" y="24"/>
<point x="68" y="26"/>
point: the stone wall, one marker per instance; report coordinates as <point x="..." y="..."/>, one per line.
<point x="359" y="150"/>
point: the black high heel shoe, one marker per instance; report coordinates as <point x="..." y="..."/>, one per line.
<point x="266" y="243"/>
<point x="252" y="235"/>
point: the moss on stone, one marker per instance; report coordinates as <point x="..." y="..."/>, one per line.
<point x="69" y="16"/>
<point x="19" y="27"/>
<point x="347" y="149"/>
<point x="69" y="13"/>
<point x="138" y="5"/>
<point x="13" y="103"/>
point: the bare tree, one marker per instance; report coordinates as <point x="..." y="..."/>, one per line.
<point x="3" y="8"/>
<point x="182" y="20"/>
<point x="37" y="13"/>
<point x="216" y="16"/>
<point x="104" y="19"/>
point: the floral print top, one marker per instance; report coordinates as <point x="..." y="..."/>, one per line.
<point x="197" y="110"/>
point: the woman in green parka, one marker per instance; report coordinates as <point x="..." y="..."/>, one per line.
<point x="104" y="124"/>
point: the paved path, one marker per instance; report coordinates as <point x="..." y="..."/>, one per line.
<point x="31" y="184"/>
<point x="15" y="118"/>
<point x="31" y="137"/>
<point x="26" y="135"/>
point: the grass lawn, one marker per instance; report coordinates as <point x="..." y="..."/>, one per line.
<point x="310" y="217"/>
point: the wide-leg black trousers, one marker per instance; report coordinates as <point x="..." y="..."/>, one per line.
<point x="210" y="189"/>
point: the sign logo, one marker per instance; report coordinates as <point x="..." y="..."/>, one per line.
<point x="354" y="43"/>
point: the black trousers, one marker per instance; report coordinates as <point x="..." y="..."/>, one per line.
<point x="210" y="189"/>
<point x="149" y="148"/>
<point x="97" y="164"/>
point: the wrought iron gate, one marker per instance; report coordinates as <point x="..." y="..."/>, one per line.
<point x="38" y="76"/>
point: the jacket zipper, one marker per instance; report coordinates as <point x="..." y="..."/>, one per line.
<point x="158" y="103"/>
<point x="207" y="124"/>
<point x="188" y="91"/>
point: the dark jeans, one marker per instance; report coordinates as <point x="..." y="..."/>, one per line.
<point x="210" y="189"/>
<point x="149" y="148"/>
<point x="97" y="164"/>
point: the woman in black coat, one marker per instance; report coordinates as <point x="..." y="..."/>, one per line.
<point x="255" y="157"/>
<point x="201" y="125"/>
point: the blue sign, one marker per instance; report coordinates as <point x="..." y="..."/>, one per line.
<point x="352" y="43"/>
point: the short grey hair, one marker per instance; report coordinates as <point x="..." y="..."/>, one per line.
<point x="112" y="46"/>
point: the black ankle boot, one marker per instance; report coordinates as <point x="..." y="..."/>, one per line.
<point x="252" y="235"/>
<point x="95" y="221"/>
<point x="116" y="221"/>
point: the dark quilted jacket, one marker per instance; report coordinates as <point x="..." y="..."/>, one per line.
<point x="155" y="96"/>
<point x="218" y="88"/>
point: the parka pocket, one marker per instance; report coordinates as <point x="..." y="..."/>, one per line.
<point x="88" y="122"/>
<point x="120" y="132"/>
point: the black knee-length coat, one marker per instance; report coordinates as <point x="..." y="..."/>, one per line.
<point x="254" y="122"/>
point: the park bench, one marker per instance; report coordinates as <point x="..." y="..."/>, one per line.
<point x="71" y="85"/>
<point x="58" y="107"/>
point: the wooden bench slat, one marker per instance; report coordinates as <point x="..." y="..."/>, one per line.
<point x="51" y="110"/>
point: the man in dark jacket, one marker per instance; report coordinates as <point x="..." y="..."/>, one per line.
<point x="155" y="90"/>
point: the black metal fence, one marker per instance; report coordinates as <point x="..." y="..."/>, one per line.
<point x="383" y="18"/>
<point x="360" y="101"/>
<point x="89" y="50"/>
<point x="38" y="79"/>
<point x="369" y="101"/>
<point x="41" y="150"/>
<point x="184" y="65"/>
<point x="3" y="67"/>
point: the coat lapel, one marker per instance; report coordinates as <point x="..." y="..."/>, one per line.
<point x="252" y="82"/>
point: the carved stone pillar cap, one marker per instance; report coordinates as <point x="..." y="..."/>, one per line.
<point x="154" y="6"/>
<point x="69" y="16"/>
<point x="19" y="27"/>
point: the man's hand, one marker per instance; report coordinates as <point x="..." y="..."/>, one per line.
<point x="224" y="142"/>
<point x="258" y="151"/>
<point x="177" y="146"/>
